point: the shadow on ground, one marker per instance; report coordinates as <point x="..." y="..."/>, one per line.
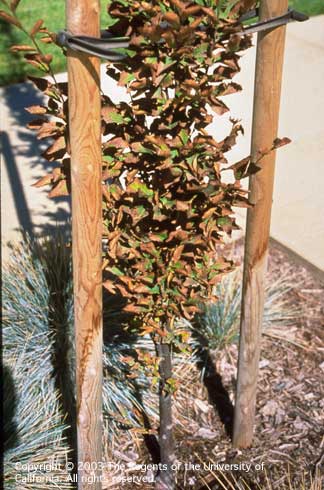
<point x="20" y="147"/>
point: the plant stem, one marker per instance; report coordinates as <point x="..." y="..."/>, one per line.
<point x="165" y="479"/>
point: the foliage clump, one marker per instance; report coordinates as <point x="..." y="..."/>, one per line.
<point x="167" y="207"/>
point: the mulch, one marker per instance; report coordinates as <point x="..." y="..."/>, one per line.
<point x="289" y="431"/>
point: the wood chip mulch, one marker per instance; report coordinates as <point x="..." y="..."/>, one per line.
<point x="289" y="431"/>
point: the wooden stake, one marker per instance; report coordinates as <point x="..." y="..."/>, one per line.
<point x="268" y="76"/>
<point x="83" y="18"/>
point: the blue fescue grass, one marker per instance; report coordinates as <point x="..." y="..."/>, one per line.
<point x="34" y="426"/>
<point x="218" y="324"/>
<point x="38" y="317"/>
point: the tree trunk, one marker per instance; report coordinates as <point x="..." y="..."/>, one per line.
<point x="166" y="477"/>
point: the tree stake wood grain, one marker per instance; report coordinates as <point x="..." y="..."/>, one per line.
<point x="85" y="143"/>
<point x="268" y="76"/>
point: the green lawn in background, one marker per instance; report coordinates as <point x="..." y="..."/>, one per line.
<point x="309" y="7"/>
<point x="12" y="66"/>
<point x="14" y="69"/>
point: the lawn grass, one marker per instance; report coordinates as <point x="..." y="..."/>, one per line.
<point x="309" y="7"/>
<point x="12" y="66"/>
<point x="14" y="69"/>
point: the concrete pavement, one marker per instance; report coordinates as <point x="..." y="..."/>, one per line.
<point x="297" y="216"/>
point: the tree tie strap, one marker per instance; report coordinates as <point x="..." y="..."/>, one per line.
<point x="103" y="47"/>
<point x="272" y="23"/>
<point x="106" y="46"/>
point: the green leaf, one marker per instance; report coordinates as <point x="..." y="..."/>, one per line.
<point x="116" y="271"/>
<point x="155" y="289"/>
<point x="151" y="60"/>
<point x="108" y="158"/>
<point x="141" y="188"/>
<point x="223" y="221"/>
<point x="184" y="136"/>
<point x="119" y="118"/>
<point x="110" y="21"/>
<point x="125" y="78"/>
<point x="167" y="203"/>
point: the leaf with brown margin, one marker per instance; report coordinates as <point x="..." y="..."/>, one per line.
<point x="59" y="189"/>
<point x="244" y="168"/>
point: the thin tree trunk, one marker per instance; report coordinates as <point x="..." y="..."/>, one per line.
<point x="166" y="477"/>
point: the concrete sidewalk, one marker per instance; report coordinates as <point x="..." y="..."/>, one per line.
<point x="297" y="216"/>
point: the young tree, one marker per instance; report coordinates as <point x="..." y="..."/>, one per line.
<point x="166" y="205"/>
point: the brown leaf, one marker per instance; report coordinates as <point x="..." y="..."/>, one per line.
<point x="36" y="109"/>
<point x="180" y="6"/>
<point x="182" y="205"/>
<point x="123" y="291"/>
<point x="172" y="17"/>
<point x="46" y="39"/>
<point x="207" y="214"/>
<point x="278" y="142"/>
<point x="59" y="146"/>
<point x="60" y="189"/>
<point x="37" y="64"/>
<point x="47" y="58"/>
<point x="47" y="179"/>
<point x="231" y="88"/>
<point x="211" y="14"/>
<point x="178" y="235"/>
<point x="217" y="198"/>
<point x="57" y="174"/>
<point x="141" y="289"/>
<point x="217" y="105"/>
<point x="36" y="27"/>
<point x="10" y="19"/>
<point x="131" y="308"/>
<point x="110" y="286"/>
<point x="41" y="83"/>
<point x="177" y="253"/>
<point x="21" y="47"/>
<point x="117" y="143"/>
<point x="47" y="129"/>
<point x="105" y="193"/>
<point x="14" y="4"/>
<point x="192" y="10"/>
